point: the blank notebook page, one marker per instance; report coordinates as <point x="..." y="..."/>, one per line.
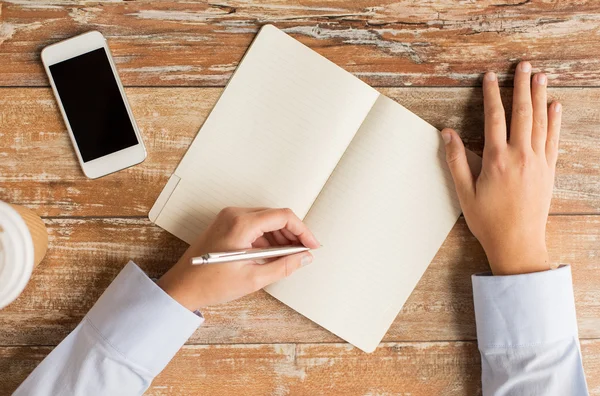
<point x="381" y="217"/>
<point x="274" y="137"/>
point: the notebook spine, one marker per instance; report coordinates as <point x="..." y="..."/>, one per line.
<point x="163" y="198"/>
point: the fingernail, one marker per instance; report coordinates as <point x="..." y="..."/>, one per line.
<point x="558" y="107"/>
<point x="306" y="259"/>
<point x="490" y="76"/>
<point x="542" y="79"/>
<point x="447" y="136"/>
<point x="525" y="66"/>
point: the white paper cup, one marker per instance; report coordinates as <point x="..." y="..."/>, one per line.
<point x="16" y="254"/>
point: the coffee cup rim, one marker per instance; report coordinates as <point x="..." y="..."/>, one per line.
<point x="16" y="254"/>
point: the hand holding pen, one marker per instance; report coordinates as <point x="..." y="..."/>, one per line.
<point x="238" y="229"/>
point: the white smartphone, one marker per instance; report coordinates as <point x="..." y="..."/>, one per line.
<point x="93" y="104"/>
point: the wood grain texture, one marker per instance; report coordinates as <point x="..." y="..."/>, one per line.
<point x="85" y="255"/>
<point x="384" y="42"/>
<point x="38" y="167"/>
<point x="37" y="230"/>
<point x="178" y="53"/>
<point x="417" y="369"/>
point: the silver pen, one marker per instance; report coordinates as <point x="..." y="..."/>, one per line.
<point x="248" y="254"/>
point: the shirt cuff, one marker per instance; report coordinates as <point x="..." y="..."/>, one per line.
<point x="142" y="322"/>
<point x="524" y="310"/>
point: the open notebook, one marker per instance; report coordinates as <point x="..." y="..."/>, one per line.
<point x="369" y="178"/>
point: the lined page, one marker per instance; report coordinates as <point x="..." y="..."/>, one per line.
<point x="381" y="218"/>
<point x="274" y="137"/>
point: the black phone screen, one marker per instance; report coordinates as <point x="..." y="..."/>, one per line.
<point x="92" y="101"/>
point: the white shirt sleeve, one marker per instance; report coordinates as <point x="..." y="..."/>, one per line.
<point x="125" y="340"/>
<point x="527" y="334"/>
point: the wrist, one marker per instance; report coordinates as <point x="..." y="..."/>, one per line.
<point x="176" y="286"/>
<point x="515" y="260"/>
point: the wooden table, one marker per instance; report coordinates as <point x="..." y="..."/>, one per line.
<point x="175" y="57"/>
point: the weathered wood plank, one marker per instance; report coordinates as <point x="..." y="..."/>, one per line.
<point x="38" y="167"/>
<point x="86" y="254"/>
<point x="437" y="368"/>
<point x="386" y="43"/>
<point x="283" y="369"/>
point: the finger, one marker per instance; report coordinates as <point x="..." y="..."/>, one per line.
<point x="236" y="211"/>
<point x="255" y="209"/>
<point x="522" y="109"/>
<point x="540" y="113"/>
<point x="276" y="219"/>
<point x="261" y="242"/>
<point x="289" y="235"/>
<point x="281" y="240"/>
<point x="265" y="274"/>
<point x="495" y="119"/>
<point x="271" y="239"/>
<point x="554" y="120"/>
<point x="456" y="158"/>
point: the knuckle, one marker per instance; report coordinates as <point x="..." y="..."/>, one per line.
<point x="540" y="123"/>
<point x="454" y="155"/>
<point x="493" y="152"/>
<point x="496" y="117"/>
<point x="552" y="143"/>
<point x="287" y="212"/>
<point x="237" y="222"/>
<point x="227" y="212"/>
<point x="524" y="160"/>
<point x="522" y="109"/>
<point x="286" y="268"/>
<point x="292" y="263"/>
<point x="497" y="163"/>
<point x="452" y="158"/>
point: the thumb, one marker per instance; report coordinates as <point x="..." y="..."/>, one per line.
<point x="281" y="268"/>
<point x="456" y="158"/>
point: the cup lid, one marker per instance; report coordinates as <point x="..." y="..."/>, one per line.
<point x="16" y="254"/>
